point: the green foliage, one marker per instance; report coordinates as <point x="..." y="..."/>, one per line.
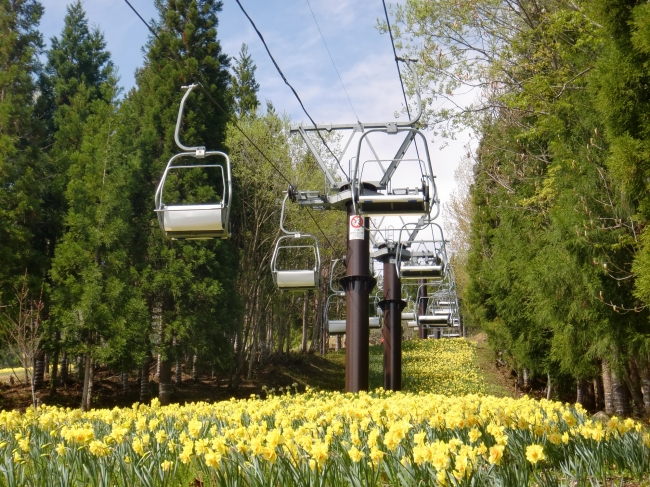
<point x="191" y="282"/>
<point x="21" y="134"/>
<point x="557" y="269"/>
<point x="244" y="86"/>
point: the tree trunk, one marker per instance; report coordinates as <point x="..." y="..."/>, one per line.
<point x="315" y="332"/>
<point x="91" y="382"/>
<point x="337" y="347"/>
<point x="64" y="367"/>
<point x="520" y="379"/>
<point x="599" y="395"/>
<point x="178" y="379"/>
<point x="580" y="391"/>
<point x="39" y="369"/>
<point x="124" y="379"/>
<point x="195" y="370"/>
<point x="144" y="381"/>
<point x="526" y="383"/>
<point x="86" y="381"/>
<point x="54" y="375"/>
<point x="158" y="366"/>
<point x="621" y="395"/>
<point x="305" y="323"/>
<point x="607" y="389"/>
<point x="633" y="382"/>
<point x="288" y="335"/>
<point x="644" y="372"/>
<point x="549" y="387"/>
<point x="165" y="381"/>
<point x="251" y="358"/>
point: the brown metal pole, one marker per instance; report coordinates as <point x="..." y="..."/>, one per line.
<point x="392" y="329"/>
<point x="358" y="282"/>
<point x="423" y="302"/>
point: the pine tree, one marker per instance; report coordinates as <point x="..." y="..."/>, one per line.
<point x="192" y="282"/>
<point x="21" y="159"/>
<point x="244" y="85"/>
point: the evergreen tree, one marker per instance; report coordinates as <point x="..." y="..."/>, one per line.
<point x="78" y="73"/>
<point x="21" y="160"/>
<point x="192" y="283"/>
<point x="244" y="86"/>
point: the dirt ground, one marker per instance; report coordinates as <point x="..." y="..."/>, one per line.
<point x="279" y="371"/>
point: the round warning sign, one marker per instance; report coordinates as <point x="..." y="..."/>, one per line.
<point x="356" y="230"/>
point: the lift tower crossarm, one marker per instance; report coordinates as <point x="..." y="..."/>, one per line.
<point x="401" y="152"/>
<point x="318" y="158"/>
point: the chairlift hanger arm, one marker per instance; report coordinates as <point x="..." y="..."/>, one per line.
<point x="198" y="150"/>
<point x="388" y="126"/>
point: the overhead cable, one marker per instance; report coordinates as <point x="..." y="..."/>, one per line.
<point x="333" y="63"/>
<point x="399" y="71"/>
<point x="295" y="93"/>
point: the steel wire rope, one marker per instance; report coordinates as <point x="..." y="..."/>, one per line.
<point x="333" y="63"/>
<point x="216" y="103"/>
<point x="295" y="93"/>
<point x="399" y="73"/>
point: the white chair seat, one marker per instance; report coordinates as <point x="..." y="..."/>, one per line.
<point x="420" y="271"/>
<point x="297" y="279"/>
<point x="336" y="327"/>
<point x="193" y="218"/>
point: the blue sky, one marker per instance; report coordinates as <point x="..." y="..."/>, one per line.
<point x="363" y="56"/>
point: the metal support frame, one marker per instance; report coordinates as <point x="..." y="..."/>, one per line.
<point x="358" y="282"/>
<point x="392" y="306"/>
<point x="422" y="302"/>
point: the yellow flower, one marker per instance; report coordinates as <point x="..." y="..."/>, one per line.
<point x="137" y="446"/>
<point x="535" y="453"/>
<point x="212" y="459"/>
<point x="269" y="454"/>
<point x="355" y="455"/>
<point x="166" y="466"/>
<point x="319" y="452"/>
<point x="60" y="449"/>
<point x="496" y="454"/>
<point x="161" y="436"/>
<point x="376" y="455"/>
<point x="98" y="448"/>
<point x="194" y="427"/>
<point x="474" y="435"/>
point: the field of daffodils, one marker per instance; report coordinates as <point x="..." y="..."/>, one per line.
<point x="442" y="431"/>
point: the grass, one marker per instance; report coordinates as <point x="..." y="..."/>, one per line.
<point x="496" y="380"/>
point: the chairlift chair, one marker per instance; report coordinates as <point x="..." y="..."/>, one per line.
<point x="195" y="221"/>
<point x="426" y="258"/>
<point x="381" y="198"/>
<point x="295" y="280"/>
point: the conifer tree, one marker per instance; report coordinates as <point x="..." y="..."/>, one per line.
<point x="244" y="85"/>
<point x="78" y="72"/>
<point x="191" y="282"/>
<point x="21" y="158"/>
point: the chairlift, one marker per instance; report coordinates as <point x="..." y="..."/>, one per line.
<point x="426" y="259"/>
<point x="300" y="279"/>
<point x="181" y="221"/>
<point x="380" y="198"/>
<point x="408" y="313"/>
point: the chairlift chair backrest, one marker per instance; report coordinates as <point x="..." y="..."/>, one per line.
<point x="195" y="221"/>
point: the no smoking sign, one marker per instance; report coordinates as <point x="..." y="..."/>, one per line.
<point x="356" y="230"/>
